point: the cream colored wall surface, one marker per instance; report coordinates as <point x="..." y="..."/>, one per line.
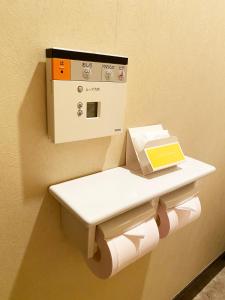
<point x="176" y="77"/>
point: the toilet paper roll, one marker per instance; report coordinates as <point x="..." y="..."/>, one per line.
<point x="173" y="219"/>
<point x="115" y="254"/>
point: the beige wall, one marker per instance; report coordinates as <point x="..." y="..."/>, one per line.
<point x="176" y="53"/>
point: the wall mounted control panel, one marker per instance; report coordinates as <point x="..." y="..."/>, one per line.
<point x="86" y="94"/>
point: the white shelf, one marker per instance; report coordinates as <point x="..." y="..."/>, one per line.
<point x="101" y="196"/>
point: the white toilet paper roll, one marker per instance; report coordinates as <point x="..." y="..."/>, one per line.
<point x="115" y="254"/>
<point x="173" y="219"/>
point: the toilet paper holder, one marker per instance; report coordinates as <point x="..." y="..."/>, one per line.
<point x="90" y="201"/>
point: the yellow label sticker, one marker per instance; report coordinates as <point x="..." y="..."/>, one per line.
<point x="165" y="155"/>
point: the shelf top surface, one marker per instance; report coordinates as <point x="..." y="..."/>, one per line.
<point x="98" y="197"/>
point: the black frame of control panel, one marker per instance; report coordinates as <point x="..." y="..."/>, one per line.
<point x="85" y="56"/>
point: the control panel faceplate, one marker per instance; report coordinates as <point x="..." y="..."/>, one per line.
<point x="86" y="94"/>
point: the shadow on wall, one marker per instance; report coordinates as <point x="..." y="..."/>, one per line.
<point x="42" y="162"/>
<point x="54" y="269"/>
<point x="51" y="267"/>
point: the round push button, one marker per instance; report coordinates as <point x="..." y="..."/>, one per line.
<point x="79" y="104"/>
<point x="86" y="72"/>
<point x="121" y="75"/>
<point x="108" y="74"/>
<point x="80" y="89"/>
<point x="80" y="112"/>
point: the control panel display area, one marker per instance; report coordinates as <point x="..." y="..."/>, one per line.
<point x="93" y="109"/>
<point x="86" y="94"/>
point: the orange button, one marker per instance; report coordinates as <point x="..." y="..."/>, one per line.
<point x="60" y="69"/>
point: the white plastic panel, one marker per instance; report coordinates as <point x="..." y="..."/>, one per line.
<point x="69" y="126"/>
